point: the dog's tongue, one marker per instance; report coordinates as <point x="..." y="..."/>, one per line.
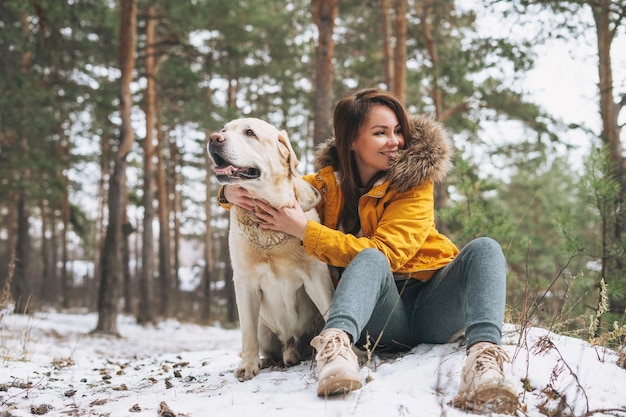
<point x="227" y="170"/>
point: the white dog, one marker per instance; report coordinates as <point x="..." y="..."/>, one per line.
<point x="283" y="295"/>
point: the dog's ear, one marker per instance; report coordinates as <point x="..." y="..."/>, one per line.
<point x="288" y="153"/>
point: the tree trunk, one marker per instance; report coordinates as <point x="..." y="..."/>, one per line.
<point x="54" y="249"/>
<point x="65" y="278"/>
<point x="165" y="251"/>
<point x="131" y="251"/>
<point x="47" y="292"/>
<point x="11" y="222"/>
<point x="102" y="203"/>
<point x="324" y="15"/>
<point x="425" y="13"/>
<point x="111" y="259"/>
<point x="176" y="209"/>
<point x="146" y="313"/>
<point x="388" y="65"/>
<point x="21" y="289"/>
<point x="613" y="264"/>
<point x="399" y="79"/>
<point x="127" y="230"/>
<point x="231" y="94"/>
<point x="609" y="110"/>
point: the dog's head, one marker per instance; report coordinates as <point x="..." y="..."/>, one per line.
<point x="251" y="150"/>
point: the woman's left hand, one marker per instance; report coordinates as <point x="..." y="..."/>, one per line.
<point x="290" y="220"/>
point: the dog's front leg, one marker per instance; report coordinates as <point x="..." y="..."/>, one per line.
<point x="248" y="304"/>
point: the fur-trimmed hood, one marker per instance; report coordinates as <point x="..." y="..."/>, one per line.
<point x="426" y="155"/>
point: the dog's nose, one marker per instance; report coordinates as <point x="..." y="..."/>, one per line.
<point x="217" y="137"/>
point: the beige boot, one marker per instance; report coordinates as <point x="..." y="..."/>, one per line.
<point x="484" y="389"/>
<point x="337" y="365"/>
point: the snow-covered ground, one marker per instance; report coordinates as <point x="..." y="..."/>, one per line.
<point x="50" y="364"/>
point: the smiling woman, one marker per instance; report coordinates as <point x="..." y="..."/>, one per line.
<point x="378" y="143"/>
<point x="378" y="237"/>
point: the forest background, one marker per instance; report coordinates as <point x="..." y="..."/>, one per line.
<point x="107" y="198"/>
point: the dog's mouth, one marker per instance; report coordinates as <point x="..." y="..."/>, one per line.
<point x="227" y="172"/>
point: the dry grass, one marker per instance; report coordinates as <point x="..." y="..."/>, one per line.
<point x="13" y="343"/>
<point x="6" y="300"/>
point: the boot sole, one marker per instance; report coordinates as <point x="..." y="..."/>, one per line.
<point x="338" y="384"/>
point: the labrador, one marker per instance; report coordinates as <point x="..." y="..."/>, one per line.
<point x="283" y="295"/>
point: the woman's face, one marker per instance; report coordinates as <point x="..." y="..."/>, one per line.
<point x="380" y="138"/>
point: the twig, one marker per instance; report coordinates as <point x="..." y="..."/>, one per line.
<point x="613" y="411"/>
<point x="544" y="345"/>
<point x="554" y="280"/>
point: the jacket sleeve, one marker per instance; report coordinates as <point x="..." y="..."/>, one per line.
<point x="397" y="224"/>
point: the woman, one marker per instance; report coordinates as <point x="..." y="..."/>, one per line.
<point x="400" y="282"/>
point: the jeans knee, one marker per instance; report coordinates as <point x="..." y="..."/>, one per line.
<point x="486" y="245"/>
<point x="486" y="248"/>
<point x="371" y="261"/>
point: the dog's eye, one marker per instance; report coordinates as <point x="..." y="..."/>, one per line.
<point x="249" y="132"/>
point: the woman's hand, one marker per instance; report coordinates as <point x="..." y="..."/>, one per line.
<point x="239" y="196"/>
<point x="290" y="220"/>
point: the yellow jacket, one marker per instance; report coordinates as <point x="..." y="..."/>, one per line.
<point x="397" y="215"/>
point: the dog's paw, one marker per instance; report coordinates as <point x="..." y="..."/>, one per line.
<point x="247" y="370"/>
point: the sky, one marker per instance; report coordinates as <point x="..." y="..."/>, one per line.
<point x="50" y="362"/>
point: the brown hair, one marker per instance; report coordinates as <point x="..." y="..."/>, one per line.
<point x="351" y="114"/>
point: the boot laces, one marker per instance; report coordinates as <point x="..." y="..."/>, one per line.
<point x="333" y="346"/>
<point x="490" y="358"/>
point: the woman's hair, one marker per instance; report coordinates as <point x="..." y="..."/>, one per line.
<point x="351" y="114"/>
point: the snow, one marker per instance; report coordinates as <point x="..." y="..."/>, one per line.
<point x="50" y="363"/>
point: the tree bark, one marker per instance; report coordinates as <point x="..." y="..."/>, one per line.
<point x="127" y="275"/>
<point x="613" y="264"/>
<point x="21" y="289"/>
<point x="11" y="226"/>
<point x="65" y="278"/>
<point x="54" y="250"/>
<point x="399" y="79"/>
<point x="174" y="281"/>
<point x="20" y="286"/>
<point x="168" y="283"/>
<point x="425" y="13"/>
<point x="111" y="259"/>
<point x="47" y="292"/>
<point x="324" y="15"/>
<point x="609" y="110"/>
<point x="388" y="65"/>
<point x="146" y="313"/>
<point x="165" y="251"/>
<point x="102" y="203"/>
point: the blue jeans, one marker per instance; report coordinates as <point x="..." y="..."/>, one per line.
<point x="467" y="295"/>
